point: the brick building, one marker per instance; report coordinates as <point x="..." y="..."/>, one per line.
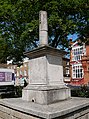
<point x="85" y="65"/>
<point x="21" y="73"/>
<point x="3" y="65"/>
<point x="79" y="63"/>
<point x="66" y="70"/>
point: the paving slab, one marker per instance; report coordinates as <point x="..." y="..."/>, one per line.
<point x="46" y="111"/>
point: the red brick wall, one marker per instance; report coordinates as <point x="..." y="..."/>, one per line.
<point x="85" y="63"/>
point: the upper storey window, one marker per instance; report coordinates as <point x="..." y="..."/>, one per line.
<point x="77" y="53"/>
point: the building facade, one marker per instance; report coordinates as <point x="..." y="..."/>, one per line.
<point x="85" y="65"/>
<point x="66" y="70"/>
<point x="78" y="63"/>
<point x="21" y="73"/>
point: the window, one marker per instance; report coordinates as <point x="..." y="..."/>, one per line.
<point x="67" y="72"/>
<point x="77" y="53"/>
<point x="8" y="67"/>
<point x="25" y="65"/>
<point x="67" y="63"/>
<point x="14" y="67"/>
<point x="77" y="71"/>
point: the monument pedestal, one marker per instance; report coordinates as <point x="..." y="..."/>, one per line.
<point x="45" y="94"/>
<point x="46" y="84"/>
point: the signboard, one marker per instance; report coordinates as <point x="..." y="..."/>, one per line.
<point x="5" y="76"/>
<point x="2" y="76"/>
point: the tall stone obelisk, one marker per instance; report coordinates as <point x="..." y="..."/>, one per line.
<point x="46" y="84"/>
<point x="43" y="28"/>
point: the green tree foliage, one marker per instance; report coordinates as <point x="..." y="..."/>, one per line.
<point x="3" y="51"/>
<point x="19" y="22"/>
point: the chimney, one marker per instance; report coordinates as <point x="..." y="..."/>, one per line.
<point x="70" y="42"/>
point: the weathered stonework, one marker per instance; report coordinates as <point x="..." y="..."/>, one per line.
<point x="74" y="108"/>
<point x="46" y="84"/>
<point x="43" y="28"/>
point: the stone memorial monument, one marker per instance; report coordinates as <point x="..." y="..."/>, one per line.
<point x="46" y="84"/>
<point x="46" y="96"/>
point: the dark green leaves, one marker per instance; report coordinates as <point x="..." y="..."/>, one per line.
<point x="19" y="24"/>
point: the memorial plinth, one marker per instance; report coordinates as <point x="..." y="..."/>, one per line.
<point x="46" y="76"/>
